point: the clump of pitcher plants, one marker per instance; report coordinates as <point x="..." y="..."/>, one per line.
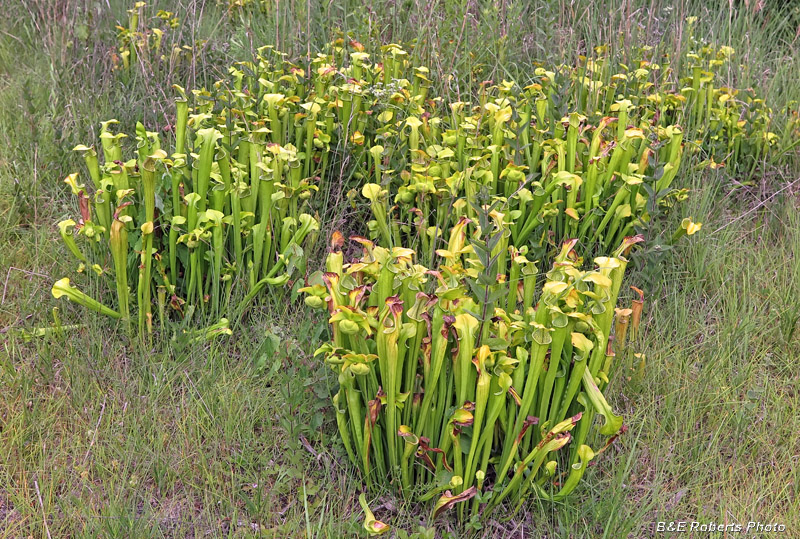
<point x="203" y="230"/>
<point x="476" y="382"/>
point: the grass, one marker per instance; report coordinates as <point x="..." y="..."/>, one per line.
<point x="236" y="438"/>
<point x="136" y="444"/>
<point x="718" y="400"/>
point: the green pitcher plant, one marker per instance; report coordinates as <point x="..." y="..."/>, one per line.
<point x="462" y="379"/>
<point x="149" y="44"/>
<point x="591" y="151"/>
<point x="187" y="231"/>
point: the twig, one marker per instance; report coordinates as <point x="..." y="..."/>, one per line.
<point x="200" y="397"/>
<point x="458" y="44"/>
<point x="12" y="36"/>
<point x="97" y="426"/>
<point x="41" y="504"/>
<point x="8" y="274"/>
<point x="308" y="447"/>
<point x="760" y="204"/>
